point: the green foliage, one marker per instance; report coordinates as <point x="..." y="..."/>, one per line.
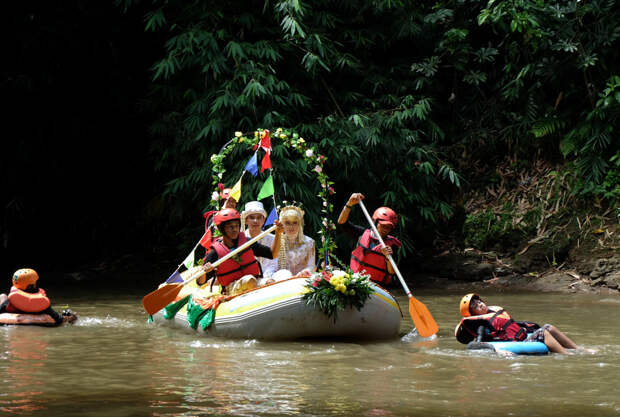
<point x="333" y="71"/>
<point x="592" y="141"/>
<point x="611" y="183"/>
<point x="528" y="77"/>
<point x="487" y="230"/>
<point x="387" y="90"/>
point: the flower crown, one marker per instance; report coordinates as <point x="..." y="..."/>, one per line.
<point x="298" y="212"/>
<point x="294" y="207"/>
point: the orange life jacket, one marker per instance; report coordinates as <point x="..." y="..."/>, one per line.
<point x="371" y="259"/>
<point x="21" y="301"/>
<point x="231" y="270"/>
<point x="501" y="325"/>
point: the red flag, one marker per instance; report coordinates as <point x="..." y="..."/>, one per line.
<point x="265" y="141"/>
<point x="205" y="241"/>
<point x="266" y="163"/>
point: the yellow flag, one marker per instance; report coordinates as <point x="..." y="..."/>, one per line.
<point x="235" y="192"/>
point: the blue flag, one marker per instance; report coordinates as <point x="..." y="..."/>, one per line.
<point x="271" y="218"/>
<point x="175" y="277"/>
<point x="252" y="165"/>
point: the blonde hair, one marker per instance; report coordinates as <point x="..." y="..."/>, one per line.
<point x="298" y="213"/>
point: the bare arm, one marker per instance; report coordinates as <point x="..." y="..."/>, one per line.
<point x="346" y="210"/>
<point x="275" y="247"/>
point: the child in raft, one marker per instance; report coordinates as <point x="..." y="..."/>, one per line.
<point x="502" y="327"/>
<point x="241" y="272"/>
<point x="26" y="298"/>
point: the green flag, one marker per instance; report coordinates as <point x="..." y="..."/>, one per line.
<point x="189" y="261"/>
<point x="266" y="190"/>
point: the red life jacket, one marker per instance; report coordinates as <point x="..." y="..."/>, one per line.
<point x="231" y="270"/>
<point x="21" y="301"/>
<point x="501" y="325"/>
<point x="371" y="259"/>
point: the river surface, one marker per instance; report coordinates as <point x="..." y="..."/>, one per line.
<point x="112" y="363"/>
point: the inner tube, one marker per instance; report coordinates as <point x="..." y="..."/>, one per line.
<point x="27" y="319"/>
<point x="518" y="348"/>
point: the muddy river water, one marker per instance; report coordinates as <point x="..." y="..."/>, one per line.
<point x="112" y="363"/>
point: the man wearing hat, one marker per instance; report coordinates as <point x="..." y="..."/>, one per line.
<point x="252" y="221"/>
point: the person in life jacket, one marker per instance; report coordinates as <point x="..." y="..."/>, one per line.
<point x="369" y="255"/>
<point x="241" y="271"/>
<point x="499" y="326"/>
<point x="26" y="297"/>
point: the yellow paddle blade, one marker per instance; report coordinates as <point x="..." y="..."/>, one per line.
<point x="422" y="318"/>
<point x="161" y="297"/>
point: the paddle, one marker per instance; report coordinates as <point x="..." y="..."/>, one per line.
<point x="167" y="293"/>
<point x="422" y="318"/>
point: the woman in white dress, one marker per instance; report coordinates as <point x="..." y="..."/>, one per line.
<point x="297" y="254"/>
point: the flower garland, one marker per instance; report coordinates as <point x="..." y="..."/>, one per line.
<point x="295" y="142"/>
<point x="334" y="290"/>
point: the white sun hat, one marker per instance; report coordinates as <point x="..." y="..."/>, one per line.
<point x="252" y="207"/>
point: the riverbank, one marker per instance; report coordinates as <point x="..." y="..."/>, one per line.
<point x="523" y="227"/>
<point x="584" y="269"/>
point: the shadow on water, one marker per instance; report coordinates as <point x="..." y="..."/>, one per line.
<point x="111" y="362"/>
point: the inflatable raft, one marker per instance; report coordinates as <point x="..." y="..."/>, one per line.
<point x="518" y="348"/>
<point x="26" y="319"/>
<point x="278" y="312"/>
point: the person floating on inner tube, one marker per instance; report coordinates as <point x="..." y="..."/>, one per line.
<point x="369" y="255"/>
<point x="499" y="326"/>
<point x="240" y="272"/>
<point x="26" y="298"/>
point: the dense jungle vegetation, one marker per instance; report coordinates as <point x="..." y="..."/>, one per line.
<point x="419" y="105"/>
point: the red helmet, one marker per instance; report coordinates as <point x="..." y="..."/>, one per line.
<point x="385" y="215"/>
<point x="226" y="215"/>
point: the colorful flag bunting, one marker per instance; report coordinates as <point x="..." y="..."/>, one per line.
<point x="252" y="165"/>
<point x="189" y="261"/>
<point x="235" y="192"/>
<point x="271" y="218"/>
<point x="175" y="277"/>
<point x="266" y="163"/>
<point x="267" y="189"/>
<point x="205" y="241"/>
<point x="265" y="141"/>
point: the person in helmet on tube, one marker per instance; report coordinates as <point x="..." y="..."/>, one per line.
<point x="26" y="297"/>
<point x="239" y="273"/>
<point x="369" y="255"/>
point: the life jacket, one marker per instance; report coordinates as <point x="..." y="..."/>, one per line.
<point x="21" y="301"/>
<point x="231" y="270"/>
<point x="498" y="324"/>
<point x="371" y="259"/>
